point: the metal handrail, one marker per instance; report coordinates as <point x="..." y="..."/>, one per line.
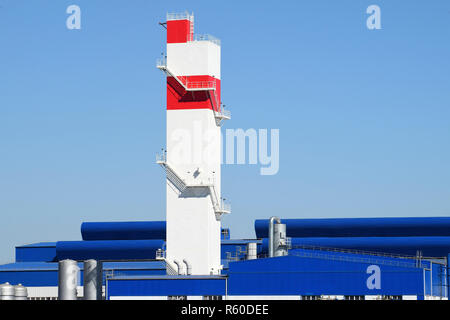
<point x="180" y="16"/>
<point x="355" y="251"/>
<point x="354" y="259"/>
<point x="161" y="63"/>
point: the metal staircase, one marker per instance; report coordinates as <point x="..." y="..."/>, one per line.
<point x="209" y="86"/>
<point x="220" y="207"/>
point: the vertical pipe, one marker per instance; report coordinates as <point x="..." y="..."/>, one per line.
<point x="179" y="266"/>
<point x="188" y="267"/>
<point x="251" y="251"/>
<point x="68" y="272"/>
<point x="92" y="280"/>
<point x="279" y="240"/>
<point x="271" y="223"/>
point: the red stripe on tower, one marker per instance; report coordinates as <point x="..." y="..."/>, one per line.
<point x="180" y="97"/>
<point x="180" y="28"/>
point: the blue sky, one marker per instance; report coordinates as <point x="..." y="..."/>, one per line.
<point x="364" y="115"/>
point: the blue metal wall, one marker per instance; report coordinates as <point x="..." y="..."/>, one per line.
<point x="291" y="275"/>
<point x="167" y="286"/>
<point x="44" y="251"/>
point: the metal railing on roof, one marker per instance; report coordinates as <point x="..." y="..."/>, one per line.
<point x="180" y="16"/>
<point x="371" y="260"/>
<point x="355" y="251"/>
<point x="206" y="37"/>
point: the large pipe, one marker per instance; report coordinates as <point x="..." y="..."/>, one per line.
<point x="272" y="220"/>
<point x="108" y="249"/>
<point x="188" y="267"/>
<point x="68" y="272"/>
<point x="360" y="227"/>
<point x="124" y="230"/>
<point x="93" y="280"/>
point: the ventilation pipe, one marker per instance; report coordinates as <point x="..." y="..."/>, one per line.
<point x="271" y="234"/>
<point x="179" y="267"/>
<point x="188" y="267"/>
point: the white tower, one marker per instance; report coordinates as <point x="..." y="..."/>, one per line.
<point x="193" y="155"/>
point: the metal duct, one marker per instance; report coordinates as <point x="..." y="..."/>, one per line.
<point x="179" y="267"/>
<point x="129" y="230"/>
<point x="188" y="267"/>
<point x="108" y="250"/>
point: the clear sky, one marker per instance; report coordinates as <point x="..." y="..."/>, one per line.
<point x="364" y="115"/>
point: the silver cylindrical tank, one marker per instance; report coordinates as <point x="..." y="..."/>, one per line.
<point x="92" y="280"/>
<point x="252" y="250"/>
<point x="6" y="291"/>
<point x="279" y="240"/>
<point x="20" y="292"/>
<point x="68" y="273"/>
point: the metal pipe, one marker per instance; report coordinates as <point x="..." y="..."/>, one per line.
<point x="179" y="266"/>
<point x="252" y="250"/>
<point x="68" y="272"/>
<point x="92" y="280"/>
<point x="188" y="267"/>
<point x="271" y="233"/>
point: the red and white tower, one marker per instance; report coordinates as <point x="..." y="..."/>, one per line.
<point x="193" y="156"/>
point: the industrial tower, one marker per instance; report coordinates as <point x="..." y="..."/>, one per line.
<point x="192" y="157"/>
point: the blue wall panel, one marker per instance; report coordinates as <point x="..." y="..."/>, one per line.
<point x="166" y="287"/>
<point x="34" y="253"/>
<point x="291" y="275"/>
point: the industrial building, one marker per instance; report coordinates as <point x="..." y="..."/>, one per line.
<point x="190" y="255"/>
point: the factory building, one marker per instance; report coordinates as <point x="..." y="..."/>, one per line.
<point x="367" y="258"/>
<point x="190" y="255"/>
